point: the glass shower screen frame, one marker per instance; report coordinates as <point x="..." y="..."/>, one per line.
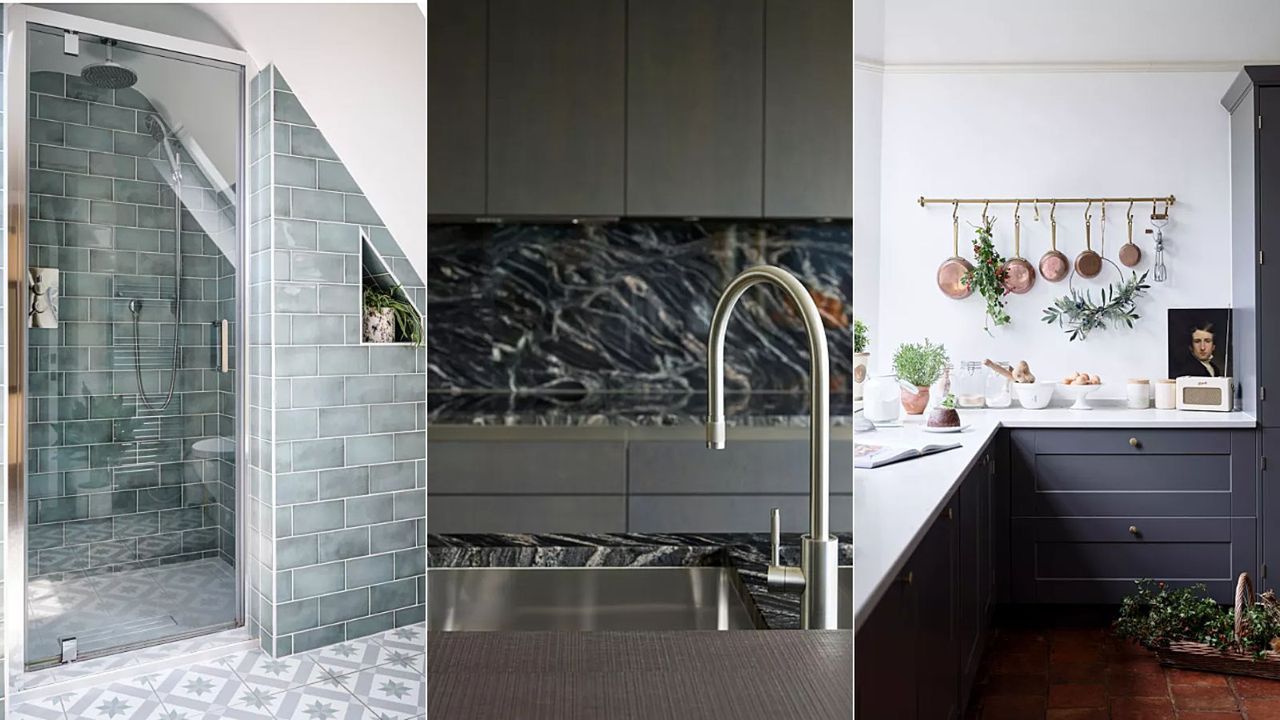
<point x="19" y="20"/>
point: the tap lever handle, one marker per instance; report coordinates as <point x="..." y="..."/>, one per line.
<point x="775" y="536"/>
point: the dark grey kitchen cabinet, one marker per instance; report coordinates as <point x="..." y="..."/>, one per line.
<point x="884" y="686"/>
<point x="557" y="99"/>
<point x="695" y="108"/>
<point x="937" y="644"/>
<point x="975" y="583"/>
<point x="456" y="64"/>
<point x="808" y="111"/>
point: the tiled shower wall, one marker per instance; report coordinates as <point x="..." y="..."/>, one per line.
<point x="112" y="484"/>
<point x="337" y="427"/>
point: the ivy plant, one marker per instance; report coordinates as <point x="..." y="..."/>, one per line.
<point x="987" y="276"/>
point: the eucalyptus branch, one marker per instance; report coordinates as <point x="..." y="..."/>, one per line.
<point x="1079" y="315"/>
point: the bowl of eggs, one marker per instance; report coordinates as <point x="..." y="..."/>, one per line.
<point x="1078" y="386"/>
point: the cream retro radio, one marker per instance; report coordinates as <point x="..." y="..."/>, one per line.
<point x="1205" y="393"/>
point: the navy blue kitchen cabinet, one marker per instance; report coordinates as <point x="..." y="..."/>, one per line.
<point x="1094" y="510"/>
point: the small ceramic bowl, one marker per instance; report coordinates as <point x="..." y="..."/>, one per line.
<point x="1078" y="394"/>
<point x="1034" y="396"/>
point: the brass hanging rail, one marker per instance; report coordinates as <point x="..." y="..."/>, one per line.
<point x="1168" y="200"/>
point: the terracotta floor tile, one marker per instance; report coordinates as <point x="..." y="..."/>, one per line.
<point x="1178" y="676"/>
<point x="1203" y="697"/>
<point x="1016" y="684"/>
<point x="1141" y="709"/>
<point x="1137" y="685"/>
<point x="1208" y="715"/>
<point x="1077" y="714"/>
<point x="1089" y="671"/>
<point x="1012" y="708"/>
<point x="1256" y="687"/>
<point x="1132" y="665"/>
<point x="1262" y="708"/>
<point x="1020" y="663"/>
<point x="1077" y="695"/>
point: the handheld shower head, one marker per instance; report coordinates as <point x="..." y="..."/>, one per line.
<point x="160" y="132"/>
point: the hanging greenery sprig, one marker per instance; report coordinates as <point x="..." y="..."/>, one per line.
<point x="987" y="276"/>
<point x="1079" y="315"/>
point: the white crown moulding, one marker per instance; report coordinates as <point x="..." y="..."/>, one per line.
<point x="1051" y="68"/>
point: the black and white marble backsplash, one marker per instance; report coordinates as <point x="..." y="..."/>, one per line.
<point x="626" y="306"/>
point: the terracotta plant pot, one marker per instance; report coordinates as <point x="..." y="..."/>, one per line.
<point x="860" y="362"/>
<point x="915" y="402"/>
<point x="379" y="326"/>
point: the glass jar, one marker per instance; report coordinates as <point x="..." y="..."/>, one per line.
<point x="999" y="389"/>
<point x="968" y="383"/>
<point x="881" y="403"/>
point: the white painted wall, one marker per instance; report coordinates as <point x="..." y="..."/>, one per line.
<point x="1065" y="134"/>
<point x="868" y="89"/>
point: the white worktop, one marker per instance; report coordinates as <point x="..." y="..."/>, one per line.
<point x="894" y="504"/>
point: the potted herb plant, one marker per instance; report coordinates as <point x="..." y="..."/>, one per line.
<point x="861" y="358"/>
<point x="918" y="365"/>
<point x="389" y="318"/>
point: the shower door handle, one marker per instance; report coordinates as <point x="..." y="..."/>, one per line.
<point x="225" y="364"/>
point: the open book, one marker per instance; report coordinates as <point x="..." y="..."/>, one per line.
<point x="869" y="455"/>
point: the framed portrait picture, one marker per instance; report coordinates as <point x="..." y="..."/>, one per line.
<point x="1199" y="342"/>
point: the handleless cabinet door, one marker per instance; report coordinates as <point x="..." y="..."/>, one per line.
<point x="557" y="103"/>
<point x="695" y="107"/>
<point x="808" y="111"/>
<point x="934" y="569"/>
<point x="456" y="107"/>
<point x="1268" y="203"/>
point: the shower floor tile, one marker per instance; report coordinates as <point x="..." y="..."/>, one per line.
<point x="114" y="609"/>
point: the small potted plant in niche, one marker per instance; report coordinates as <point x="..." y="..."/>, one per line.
<point x="861" y="358"/>
<point x="389" y="318"/>
<point x="918" y="365"/>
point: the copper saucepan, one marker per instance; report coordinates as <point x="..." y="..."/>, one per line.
<point x="1054" y="265"/>
<point x="1018" y="274"/>
<point x="952" y="270"/>
<point x="1130" y="254"/>
<point x="1088" y="262"/>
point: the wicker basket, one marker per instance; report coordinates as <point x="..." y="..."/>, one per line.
<point x="1199" y="656"/>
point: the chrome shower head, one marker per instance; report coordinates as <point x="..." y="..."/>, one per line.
<point x="108" y="75"/>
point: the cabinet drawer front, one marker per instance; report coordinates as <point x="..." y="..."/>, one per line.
<point x="1110" y="485"/>
<point x="1097" y="559"/>
<point x="1116" y="442"/>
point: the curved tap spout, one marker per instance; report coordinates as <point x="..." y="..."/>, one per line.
<point x="819" y="383"/>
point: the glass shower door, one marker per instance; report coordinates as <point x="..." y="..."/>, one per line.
<point x="132" y="250"/>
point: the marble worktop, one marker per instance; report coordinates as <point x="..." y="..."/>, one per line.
<point x="894" y="504"/>
<point x="748" y="553"/>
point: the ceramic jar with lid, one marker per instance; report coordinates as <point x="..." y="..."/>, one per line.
<point x="1166" y="394"/>
<point x="1138" y="393"/>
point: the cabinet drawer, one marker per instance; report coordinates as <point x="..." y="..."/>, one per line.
<point x="1117" y="442"/>
<point x="1110" y="485"/>
<point x="1096" y="560"/>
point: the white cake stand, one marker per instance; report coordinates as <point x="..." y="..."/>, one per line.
<point x="1078" y="393"/>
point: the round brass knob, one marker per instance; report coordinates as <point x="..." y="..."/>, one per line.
<point x="1133" y="442"/>
<point x="908" y="578"/>
<point x="1133" y="530"/>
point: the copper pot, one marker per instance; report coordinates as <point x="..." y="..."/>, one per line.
<point x="1130" y="254"/>
<point x="1018" y="274"/>
<point x="1054" y="265"/>
<point x="915" y="402"/>
<point x="1088" y="262"/>
<point x="952" y="270"/>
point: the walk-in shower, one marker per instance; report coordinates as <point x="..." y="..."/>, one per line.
<point x="126" y="165"/>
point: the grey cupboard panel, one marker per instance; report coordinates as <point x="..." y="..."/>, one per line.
<point x="886" y="688"/>
<point x="482" y="467"/>
<point x="730" y="513"/>
<point x="933" y="567"/>
<point x="456" y="67"/>
<point x="1112" y="442"/>
<point x="695" y="108"/>
<point x="526" y="513"/>
<point x="1106" y="485"/>
<point x="1269" y="511"/>
<point x="748" y="466"/>
<point x="1268" y="238"/>
<point x="557" y="99"/>
<point x="808" y="112"/>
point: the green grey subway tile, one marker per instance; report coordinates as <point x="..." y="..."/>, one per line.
<point x="391" y="360"/>
<point x="296" y="424"/>
<point x="88" y="186"/>
<point x="410" y="504"/>
<point x="277" y="80"/>
<point x="43" y="537"/>
<point x="288" y="109"/>
<point x="86" y="431"/>
<point x="162" y="545"/>
<point x="113" y="261"/>
<point x="181" y="519"/>
<point x="79" y="333"/>
<point x="295" y="234"/>
<point x="159" y="498"/>
<point x="411" y="445"/>
<point x="316" y="330"/>
<point x="128" y="238"/>
<point x="295" y="171"/>
<point x="334" y="176"/>
<point x="46" y="132"/>
<point x="154" y="170"/>
<point x="110" y="213"/>
<point x="88" y="138"/>
<point x="60" y="208"/>
<point x="393" y="595"/>
<point x="370" y="449"/>
<point x="359" y="210"/>
<point x="337" y="421"/>
<point x="200" y="540"/>
<point x="86" y="531"/>
<point x="83" y="235"/>
<point x="317" y="517"/>
<point x="78" y="284"/>
<point x="63" y="458"/>
<point x="49" y="107"/>
<point x="316" y="205"/>
<point x="281" y="201"/>
<point x="317" y="454"/>
<point x="340" y="299"/>
<point x="132" y="478"/>
<point x="296" y="552"/>
<point x="161" y="264"/>
<point x="64" y="559"/>
<point x="129" y="143"/>
<point x="320" y="637"/>
<point x="113" y="552"/>
<point x="43" y="485"/>
<point x="44" y="232"/>
<point x="342" y="606"/>
<point x="369" y="510"/>
<point x="119" y="166"/>
<point x="297" y="487"/>
<point x="317" y="392"/>
<point x="193" y="494"/>
<point x="135" y="191"/>
<point x="343" y="482"/>
<point x="370" y="625"/>
<point x="49" y="157"/>
<point x="340" y="360"/>
<point x="79" y="89"/>
<point x="308" y="142"/>
<point x="369" y="389"/>
<point x="295" y="298"/>
<point x="70" y="408"/>
<point x="317" y="580"/>
<point x="343" y="544"/>
<point x="337" y="237"/>
<point x="370" y="570"/>
<point x="63" y="509"/>
<point x="108" y="504"/>
<point x="411" y="562"/>
<point x="391" y="476"/>
<point x="113" y="118"/>
<point x="393" y="536"/>
<point x="73" y="259"/>
<point x="47" y="82"/>
<point x="199" y="402"/>
<point x="392" y="418"/>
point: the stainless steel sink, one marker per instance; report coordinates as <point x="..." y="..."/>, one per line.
<point x="628" y="598"/>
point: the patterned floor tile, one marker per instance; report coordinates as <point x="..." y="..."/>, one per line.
<point x="259" y="670"/>
<point x="410" y="638"/>
<point x="349" y="656"/>
<point x="198" y="687"/>
<point x="85" y="668"/>
<point x="321" y="702"/>
<point x="49" y="708"/>
<point x="389" y="691"/>
<point x="117" y="701"/>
